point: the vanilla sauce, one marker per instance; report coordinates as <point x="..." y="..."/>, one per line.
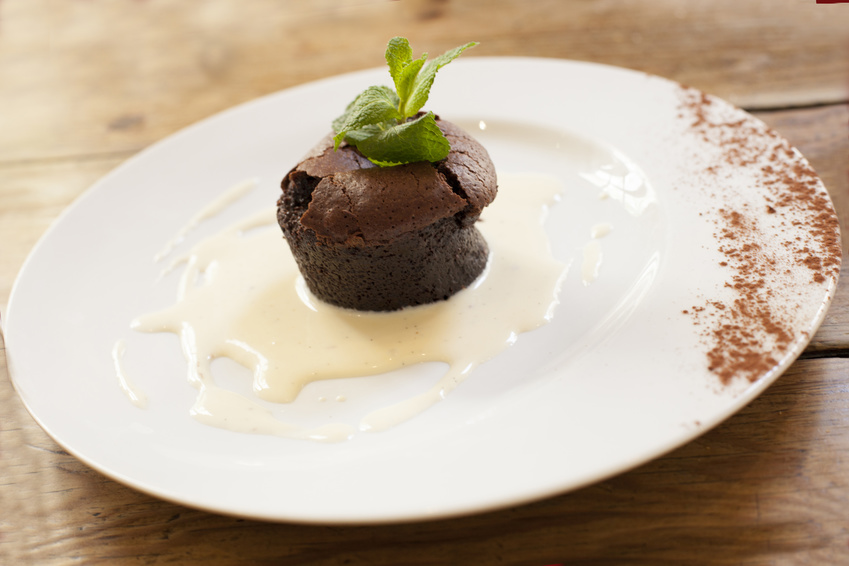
<point x="241" y="297"/>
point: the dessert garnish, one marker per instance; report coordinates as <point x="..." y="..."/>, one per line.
<point x="386" y="125"/>
<point x="380" y="214"/>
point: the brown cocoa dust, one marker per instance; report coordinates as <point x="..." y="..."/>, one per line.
<point x="752" y="331"/>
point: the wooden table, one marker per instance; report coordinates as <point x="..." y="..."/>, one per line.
<point x="86" y="84"/>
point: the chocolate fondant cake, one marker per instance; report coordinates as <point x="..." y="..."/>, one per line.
<point x="382" y="238"/>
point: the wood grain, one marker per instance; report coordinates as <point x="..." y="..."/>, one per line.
<point x="85" y="84"/>
<point x="768" y="486"/>
<point x="82" y="78"/>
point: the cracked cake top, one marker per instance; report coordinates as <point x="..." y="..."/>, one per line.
<point x="346" y="199"/>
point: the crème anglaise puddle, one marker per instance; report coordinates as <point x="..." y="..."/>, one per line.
<point x="241" y="297"/>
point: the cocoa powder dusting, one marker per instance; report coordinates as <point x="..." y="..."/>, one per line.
<point x="751" y="333"/>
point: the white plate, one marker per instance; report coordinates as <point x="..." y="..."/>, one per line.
<point x="619" y="377"/>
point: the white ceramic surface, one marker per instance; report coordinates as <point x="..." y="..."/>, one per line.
<point x="619" y="377"/>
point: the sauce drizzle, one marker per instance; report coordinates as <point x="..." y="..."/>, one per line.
<point x="241" y="297"/>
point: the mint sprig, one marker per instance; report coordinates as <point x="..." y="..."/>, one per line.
<point x="383" y="124"/>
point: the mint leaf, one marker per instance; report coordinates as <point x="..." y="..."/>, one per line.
<point x="424" y="80"/>
<point x="416" y="140"/>
<point x="354" y="137"/>
<point x="406" y="82"/>
<point x="374" y="105"/>
<point x="378" y="121"/>
<point x="398" y="55"/>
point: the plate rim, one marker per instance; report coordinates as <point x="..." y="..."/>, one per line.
<point x="756" y="389"/>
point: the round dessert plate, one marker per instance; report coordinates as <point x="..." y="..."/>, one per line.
<point x="703" y="253"/>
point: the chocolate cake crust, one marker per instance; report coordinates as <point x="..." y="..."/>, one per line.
<point x="382" y="238"/>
